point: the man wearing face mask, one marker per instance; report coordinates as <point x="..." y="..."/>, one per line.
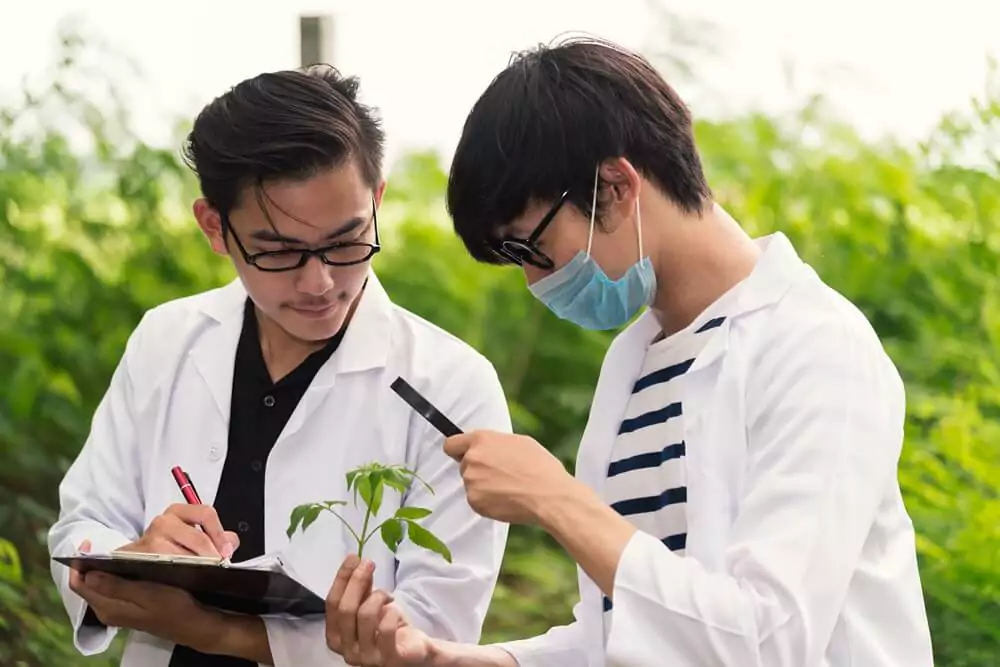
<point x="735" y="500"/>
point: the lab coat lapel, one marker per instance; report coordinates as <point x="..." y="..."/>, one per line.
<point x="214" y="354"/>
<point x="614" y="386"/>
<point x="365" y="346"/>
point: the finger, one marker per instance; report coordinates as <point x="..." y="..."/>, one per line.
<point x="333" y="601"/>
<point x="234" y="541"/>
<point x="391" y="621"/>
<point x="84" y="547"/>
<point x="369" y="616"/>
<point x="358" y="589"/>
<point x="457" y="445"/>
<point x="206" y="517"/>
<point x="111" y="611"/>
<point x="168" y="533"/>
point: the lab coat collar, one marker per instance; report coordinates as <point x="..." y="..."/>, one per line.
<point x="365" y="345"/>
<point x="777" y="268"/>
<point x="775" y="271"/>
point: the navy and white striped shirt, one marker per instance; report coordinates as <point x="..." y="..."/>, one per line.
<point x="646" y="478"/>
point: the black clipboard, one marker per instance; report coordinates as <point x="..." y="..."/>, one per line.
<point x="256" y="592"/>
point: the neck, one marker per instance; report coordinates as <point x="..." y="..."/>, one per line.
<point x="281" y="351"/>
<point x="705" y="257"/>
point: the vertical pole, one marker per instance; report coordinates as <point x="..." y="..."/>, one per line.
<point x="315" y="40"/>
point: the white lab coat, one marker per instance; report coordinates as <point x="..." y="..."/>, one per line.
<point x="168" y="404"/>
<point x="800" y="552"/>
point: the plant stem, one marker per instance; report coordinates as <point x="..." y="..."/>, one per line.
<point x="345" y="523"/>
<point x="374" y="530"/>
<point x="364" y="529"/>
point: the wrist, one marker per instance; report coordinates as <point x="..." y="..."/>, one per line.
<point x="566" y="497"/>
<point x="451" y="654"/>
<point x="212" y="632"/>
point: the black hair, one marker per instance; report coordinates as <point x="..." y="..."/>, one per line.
<point x="285" y="125"/>
<point x="546" y="122"/>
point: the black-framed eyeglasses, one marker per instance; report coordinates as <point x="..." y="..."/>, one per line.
<point x="345" y="253"/>
<point x="521" y="251"/>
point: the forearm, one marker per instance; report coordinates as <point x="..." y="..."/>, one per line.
<point x="239" y="637"/>
<point x="451" y="654"/>
<point x="593" y="534"/>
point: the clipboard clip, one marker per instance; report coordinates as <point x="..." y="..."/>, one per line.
<point x="424" y="408"/>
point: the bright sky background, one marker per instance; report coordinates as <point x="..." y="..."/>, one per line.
<point x="888" y="65"/>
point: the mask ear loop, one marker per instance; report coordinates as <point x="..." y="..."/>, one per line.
<point x="593" y="209"/>
<point x="638" y="222"/>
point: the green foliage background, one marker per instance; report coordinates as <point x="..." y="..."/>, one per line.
<point x="90" y="239"/>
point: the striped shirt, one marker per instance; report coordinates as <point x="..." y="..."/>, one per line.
<point x="646" y="478"/>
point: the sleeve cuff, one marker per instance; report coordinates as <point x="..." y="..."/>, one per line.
<point x="642" y="548"/>
<point x="295" y="642"/>
<point x="90" y="636"/>
<point x="561" y="646"/>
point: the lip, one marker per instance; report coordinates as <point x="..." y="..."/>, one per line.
<point x="313" y="313"/>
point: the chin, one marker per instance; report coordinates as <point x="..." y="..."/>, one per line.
<point x="314" y="328"/>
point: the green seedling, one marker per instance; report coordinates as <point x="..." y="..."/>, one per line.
<point x="368" y="482"/>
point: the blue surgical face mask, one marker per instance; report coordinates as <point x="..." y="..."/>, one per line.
<point x="582" y="293"/>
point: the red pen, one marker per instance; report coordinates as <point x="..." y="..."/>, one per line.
<point x="185" y="485"/>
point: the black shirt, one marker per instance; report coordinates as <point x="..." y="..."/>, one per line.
<point x="259" y="410"/>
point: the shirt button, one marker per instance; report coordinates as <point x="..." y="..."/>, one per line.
<point x="269" y="401"/>
<point x="256" y="465"/>
<point x="214" y="453"/>
<point x="243" y="526"/>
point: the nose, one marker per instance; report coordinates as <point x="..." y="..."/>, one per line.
<point x="314" y="278"/>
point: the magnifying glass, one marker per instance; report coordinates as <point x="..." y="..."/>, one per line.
<point x="424" y="408"/>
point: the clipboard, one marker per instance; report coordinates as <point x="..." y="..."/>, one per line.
<point x="255" y="591"/>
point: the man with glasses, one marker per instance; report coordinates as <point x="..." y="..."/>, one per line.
<point x="736" y="501"/>
<point x="267" y="391"/>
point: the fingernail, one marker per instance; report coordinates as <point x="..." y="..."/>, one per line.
<point x="369" y="566"/>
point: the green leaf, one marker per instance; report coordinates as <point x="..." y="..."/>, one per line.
<point x="311" y="515"/>
<point x="364" y="489"/>
<point x="295" y="518"/>
<point x="379" y="491"/>
<point x="392" y="533"/>
<point x="427" y="540"/>
<point x="351" y="476"/>
<point x="396" y="479"/>
<point x="10" y="562"/>
<point x="412" y="513"/>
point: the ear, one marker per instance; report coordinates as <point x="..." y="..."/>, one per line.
<point x="379" y="193"/>
<point x="211" y="225"/>
<point x="621" y="185"/>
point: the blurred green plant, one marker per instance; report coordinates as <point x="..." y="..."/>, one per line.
<point x="369" y="482"/>
<point x="90" y="238"/>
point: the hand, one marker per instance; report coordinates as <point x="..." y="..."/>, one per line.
<point x="366" y="628"/>
<point x="186" y="530"/>
<point x="507" y="477"/>
<point x="163" y="611"/>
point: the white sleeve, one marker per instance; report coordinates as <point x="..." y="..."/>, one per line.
<point x="446" y="600"/>
<point x="825" y="412"/>
<point x="561" y="646"/>
<point x="100" y="500"/>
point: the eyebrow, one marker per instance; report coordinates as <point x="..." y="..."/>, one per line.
<point x="271" y="235"/>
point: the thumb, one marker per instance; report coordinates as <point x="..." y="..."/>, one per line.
<point x="84" y="547"/>
<point x="457" y="445"/>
